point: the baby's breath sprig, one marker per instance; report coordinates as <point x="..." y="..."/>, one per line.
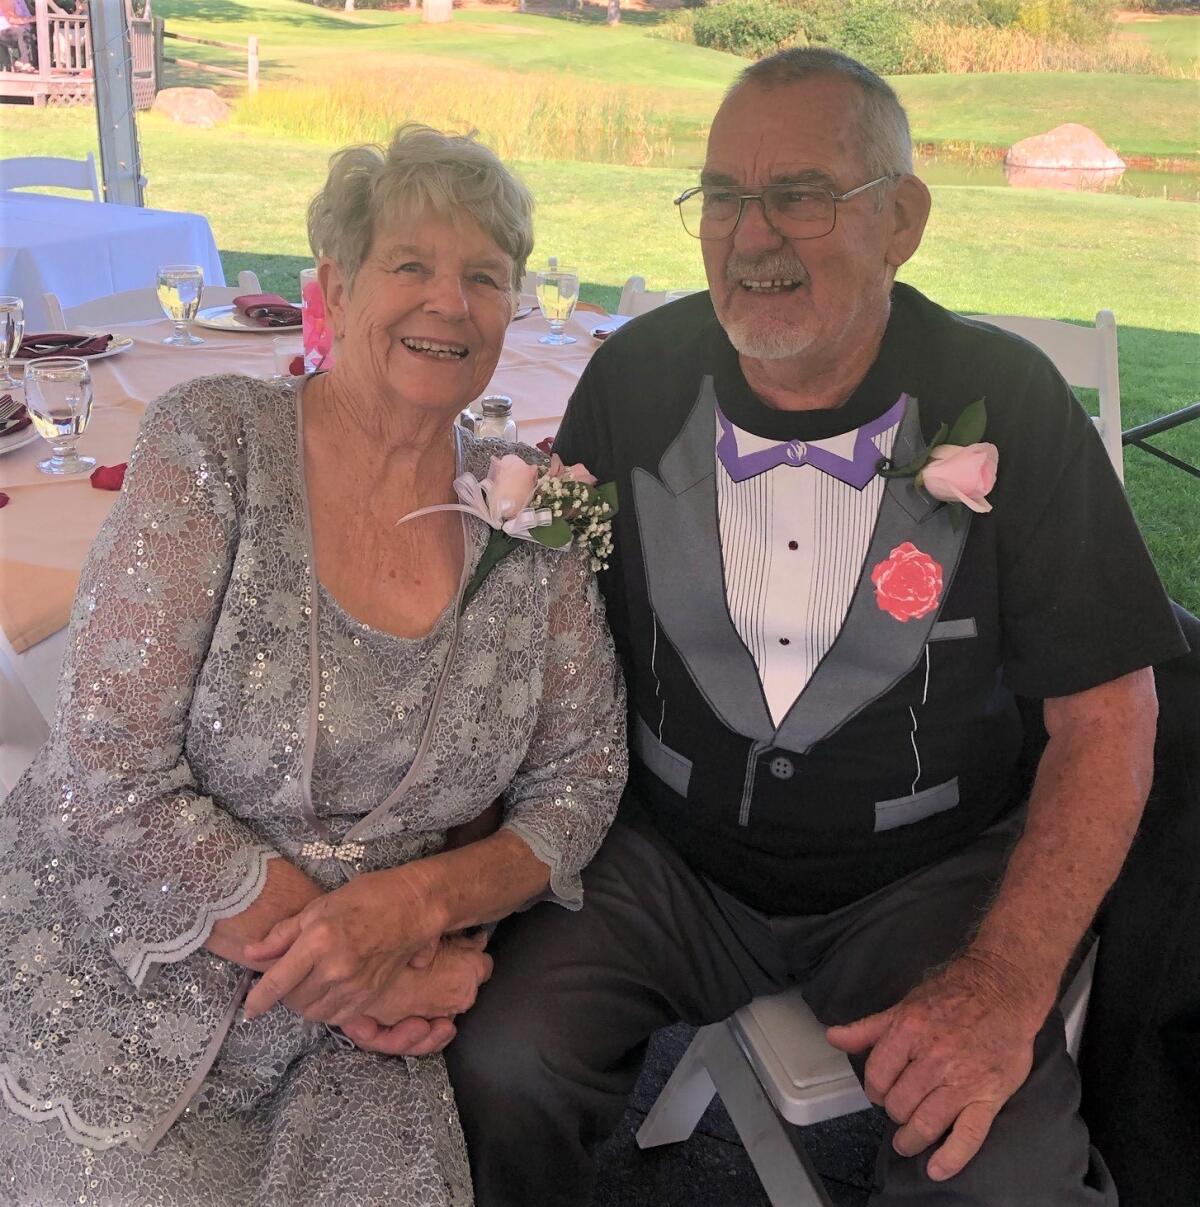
<point x="580" y="512"/>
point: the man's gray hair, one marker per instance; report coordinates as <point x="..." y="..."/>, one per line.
<point x="421" y="168"/>
<point x="886" y="140"/>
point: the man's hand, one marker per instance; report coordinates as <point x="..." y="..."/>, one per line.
<point x="947" y="1058"/>
<point x="408" y="1037"/>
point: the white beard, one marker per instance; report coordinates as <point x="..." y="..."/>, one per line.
<point x="765" y="343"/>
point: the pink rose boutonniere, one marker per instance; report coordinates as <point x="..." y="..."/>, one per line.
<point x="556" y="506"/>
<point x="957" y="468"/>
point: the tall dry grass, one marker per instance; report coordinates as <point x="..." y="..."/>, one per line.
<point x="519" y="116"/>
<point x="938" y="46"/>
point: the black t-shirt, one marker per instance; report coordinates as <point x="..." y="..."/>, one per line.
<point x="1049" y="594"/>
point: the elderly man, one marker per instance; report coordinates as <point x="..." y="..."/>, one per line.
<point x="823" y="661"/>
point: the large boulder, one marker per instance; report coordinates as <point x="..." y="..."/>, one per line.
<point x="1068" y="157"/>
<point x="192" y="106"/>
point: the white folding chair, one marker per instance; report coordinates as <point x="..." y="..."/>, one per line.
<point x="49" y="171"/>
<point x="637" y="299"/>
<point x="134" y="305"/>
<point x="1086" y="357"/>
<point x="772" y="1066"/>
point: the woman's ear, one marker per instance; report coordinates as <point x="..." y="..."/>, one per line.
<point x="336" y="292"/>
<point x="910" y="202"/>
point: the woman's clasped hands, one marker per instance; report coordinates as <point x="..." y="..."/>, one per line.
<point x="372" y="958"/>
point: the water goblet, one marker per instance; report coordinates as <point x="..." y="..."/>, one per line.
<point x="58" y="396"/>
<point x="179" y="289"/>
<point x="12" y="331"/>
<point x="557" y="293"/>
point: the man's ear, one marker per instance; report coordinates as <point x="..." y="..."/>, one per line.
<point x="335" y="289"/>
<point x="910" y="202"/>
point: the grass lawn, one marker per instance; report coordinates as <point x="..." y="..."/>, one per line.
<point x="1177" y="37"/>
<point x="1134" y="114"/>
<point x="1139" y="115"/>
<point x="995" y="250"/>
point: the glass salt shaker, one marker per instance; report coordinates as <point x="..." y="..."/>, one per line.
<point x="497" y="418"/>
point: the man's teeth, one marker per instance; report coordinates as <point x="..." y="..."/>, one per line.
<point x="783" y="284"/>
<point x="442" y="351"/>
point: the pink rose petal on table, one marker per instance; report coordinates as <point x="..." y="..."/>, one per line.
<point x="108" y="477"/>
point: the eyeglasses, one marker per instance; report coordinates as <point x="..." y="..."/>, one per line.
<point x="796" y="211"/>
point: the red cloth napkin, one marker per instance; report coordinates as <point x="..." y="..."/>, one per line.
<point x="268" y="309"/>
<point x="17" y="423"/>
<point x="62" y="343"/>
<point x="109" y="477"/>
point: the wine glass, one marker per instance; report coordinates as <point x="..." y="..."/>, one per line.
<point x="58" y="396"/>
<point x="12" y="331"/>
<point x="179" y="288"/>
<point x="557" y="293"/>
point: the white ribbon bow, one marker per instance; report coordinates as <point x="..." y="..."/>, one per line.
<point x="477" y="500"/>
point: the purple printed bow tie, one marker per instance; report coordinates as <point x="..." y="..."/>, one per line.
<point x="856" y="472"/>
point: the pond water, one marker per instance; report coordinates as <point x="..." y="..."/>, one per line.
<point x="1135" y="182"/>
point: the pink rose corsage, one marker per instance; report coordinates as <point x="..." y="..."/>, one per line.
<point x="556" y="506"/>
<point x="957" y="468"/>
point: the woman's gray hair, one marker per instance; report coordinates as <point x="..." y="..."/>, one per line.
<point x="886" y="142"/>
<point x="421" y="168"/>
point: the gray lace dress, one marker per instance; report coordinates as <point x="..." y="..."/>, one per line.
<point x="218" y="709"/>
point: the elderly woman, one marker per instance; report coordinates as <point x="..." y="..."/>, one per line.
<point x="273" y="711"/>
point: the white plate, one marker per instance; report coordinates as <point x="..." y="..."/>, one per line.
<point x="227" y="318"/>
<point x="116" y="345"/>
<point x="9" y="444"/>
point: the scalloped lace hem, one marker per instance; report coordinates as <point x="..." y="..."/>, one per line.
<point x="48" y="1110"/>
<point x="566" y="888"/>
<point x="181" y="946"/>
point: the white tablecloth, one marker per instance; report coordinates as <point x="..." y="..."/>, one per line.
<point x="48" y="525"/>
<point x="81" y="250"/>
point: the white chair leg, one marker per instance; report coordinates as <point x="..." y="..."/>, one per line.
<point x="682" y="1101"/>
<point x="781" y="1163"/>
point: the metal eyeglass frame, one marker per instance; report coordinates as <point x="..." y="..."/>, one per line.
<point x="759" y="196"/>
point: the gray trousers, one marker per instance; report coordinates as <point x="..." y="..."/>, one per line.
<point x="543" y="1064"/>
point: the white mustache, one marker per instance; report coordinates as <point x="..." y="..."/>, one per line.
<point x="774" y="266"/>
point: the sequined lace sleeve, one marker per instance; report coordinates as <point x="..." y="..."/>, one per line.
<point x="564" y="797"/>
<point x="142" y="846"/>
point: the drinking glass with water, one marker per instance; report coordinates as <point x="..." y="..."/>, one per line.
<point x="58" y="396"/>
<point x="12" y="331"/>
<point x="179" y="289"/>
<point x="557" y="293"/>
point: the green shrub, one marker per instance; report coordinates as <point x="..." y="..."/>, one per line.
<point x="876" y="32"/>
<point x="750" y="28"/>
<point x="1080" y="21"/>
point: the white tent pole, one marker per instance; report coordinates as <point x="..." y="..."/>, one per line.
<point x="112" y="65"/>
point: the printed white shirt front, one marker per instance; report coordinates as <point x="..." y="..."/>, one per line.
<point x="793" y="542"/>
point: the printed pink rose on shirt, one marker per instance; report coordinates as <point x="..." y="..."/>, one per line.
<point x="908" y="583"/>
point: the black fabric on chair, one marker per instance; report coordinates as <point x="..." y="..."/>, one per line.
<point x="1140" y="1062"/>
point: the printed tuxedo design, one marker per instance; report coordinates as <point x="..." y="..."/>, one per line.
<point x="677" y="522"/>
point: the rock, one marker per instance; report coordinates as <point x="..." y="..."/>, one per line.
<point x="192" y="106"/>
<point x="1068" y="157"/>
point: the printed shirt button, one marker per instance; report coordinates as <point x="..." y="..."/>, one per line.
<point x="782" y="767"/>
